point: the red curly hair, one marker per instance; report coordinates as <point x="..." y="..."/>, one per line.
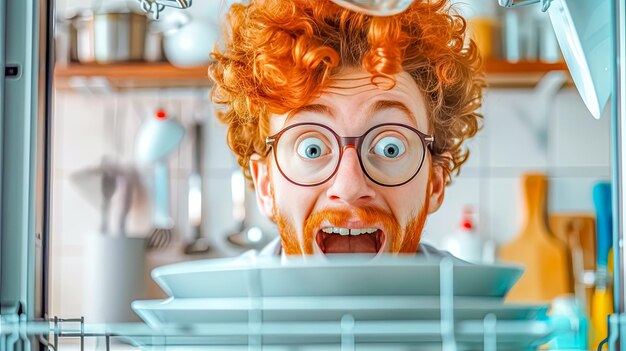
<point x="280" y="54"/>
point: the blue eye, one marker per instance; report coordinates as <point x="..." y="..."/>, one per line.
<point x="389" y="147"/>
<point x="312" y="148"/>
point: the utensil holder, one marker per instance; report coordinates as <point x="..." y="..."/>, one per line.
<point x="114" y="277"/>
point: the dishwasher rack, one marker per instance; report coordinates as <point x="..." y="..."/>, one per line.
<point x="347" y="334"/>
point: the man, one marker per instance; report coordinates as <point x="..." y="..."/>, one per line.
<point x="348" y="125"/>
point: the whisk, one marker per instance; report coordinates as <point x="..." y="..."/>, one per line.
<point x="163" y="222"/>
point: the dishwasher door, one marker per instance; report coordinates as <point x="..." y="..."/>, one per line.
<point x="25" y="103"/>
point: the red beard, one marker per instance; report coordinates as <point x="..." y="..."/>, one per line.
<point x="400" y="241"/>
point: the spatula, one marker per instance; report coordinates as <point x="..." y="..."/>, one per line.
<point x="545" y="258"/>
<point x="601" y="305"/>
<point x="578" y="230"/>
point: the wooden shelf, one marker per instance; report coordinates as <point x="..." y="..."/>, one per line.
<point x="505" y="74"/>
<point x="164" y="75"/>
<point x="129" y="76"/>
<point x="522" y="67"/>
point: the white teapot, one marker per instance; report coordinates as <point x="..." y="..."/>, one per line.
<point x="188" y="41"/>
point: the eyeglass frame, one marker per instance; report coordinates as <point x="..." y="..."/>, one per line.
<point x="343" y="142"/>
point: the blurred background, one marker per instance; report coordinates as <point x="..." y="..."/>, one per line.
<point x="120" y="177"/>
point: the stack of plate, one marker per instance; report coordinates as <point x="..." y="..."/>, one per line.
<point x="390" y="300"/>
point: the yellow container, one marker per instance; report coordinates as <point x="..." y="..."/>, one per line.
<point x="601" y="308"/>
<point x="486" y="32"/>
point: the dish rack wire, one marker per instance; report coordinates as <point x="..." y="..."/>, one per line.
<point x="19" y="333"/>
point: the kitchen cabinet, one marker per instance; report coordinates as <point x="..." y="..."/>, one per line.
<point x="164" y="75"/>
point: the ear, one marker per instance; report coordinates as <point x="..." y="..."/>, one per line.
<point x="262" y="185"/>
<point x="437" y="185"/>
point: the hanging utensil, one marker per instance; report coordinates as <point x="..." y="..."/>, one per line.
<point x="109" y="185"/>
<point x="578" y="230"/>
<point x="158" y="137"/>
<point x="128" y="184"/>
<point x="601" y="303"/>
<point x="98" y="185"/>
<point x="163" y="222"/>
<point x="155" y="7"/>
<point x="243" y="236"/>
<point x="200" y="244"/>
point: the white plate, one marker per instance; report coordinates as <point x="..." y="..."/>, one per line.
<point x="158" y="313"/>
<point x="350" y="275"/>
<point x="368" y="335"/>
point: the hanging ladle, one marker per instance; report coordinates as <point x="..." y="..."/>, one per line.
<point x="200" y="244"/>
<point x="243" y="236"/>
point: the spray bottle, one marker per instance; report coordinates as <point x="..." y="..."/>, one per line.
<point x="465" y="243"/>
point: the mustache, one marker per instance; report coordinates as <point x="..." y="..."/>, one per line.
<point x="370" y="216"/>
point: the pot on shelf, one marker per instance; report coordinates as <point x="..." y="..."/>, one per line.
<point x="119" y="36"/>
<point x="82" y="36"/>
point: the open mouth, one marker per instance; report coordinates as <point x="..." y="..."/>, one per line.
<point x="337" y="240"/>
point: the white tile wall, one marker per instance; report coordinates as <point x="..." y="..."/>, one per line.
<point x="573" y="194"/>
<point x="510" y="120"/>
<point x="574" y="153"/>
<point x="568" y="145"/>
<point x="582" y="140"/>
<point x="504" y="209"/>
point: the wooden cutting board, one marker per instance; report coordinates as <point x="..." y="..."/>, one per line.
<point x="545" y="258"/>
<point x="577" y="228"/>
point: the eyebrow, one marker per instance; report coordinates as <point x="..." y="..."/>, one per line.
<point x="315" y="108"/>
<point x="376" y="107"/>
<point x="390" y="104"/>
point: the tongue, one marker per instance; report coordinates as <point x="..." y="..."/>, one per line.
<point x="364" y="243"/>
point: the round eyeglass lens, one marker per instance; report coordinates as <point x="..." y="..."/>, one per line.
<point x="307" y="154"/>
<point x="392" y="154"/>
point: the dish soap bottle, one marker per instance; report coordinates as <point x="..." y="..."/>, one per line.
<point x="465" y="243"/>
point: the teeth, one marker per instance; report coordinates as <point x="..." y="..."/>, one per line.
<point x="346" y="231"/>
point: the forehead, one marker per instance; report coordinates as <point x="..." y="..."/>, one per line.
<point x="351" y="102"/>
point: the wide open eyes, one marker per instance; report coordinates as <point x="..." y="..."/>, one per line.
<point x="389" y="147"/>
<point x="312" y="148"/>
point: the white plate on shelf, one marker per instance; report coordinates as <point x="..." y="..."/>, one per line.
<point x="349" y="275"/>
<point x="157" y="313"/>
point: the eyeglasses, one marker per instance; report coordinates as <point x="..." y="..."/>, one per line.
<point x="390" y="154"/>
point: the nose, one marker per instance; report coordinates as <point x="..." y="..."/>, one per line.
<point x="350" y="184"/>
